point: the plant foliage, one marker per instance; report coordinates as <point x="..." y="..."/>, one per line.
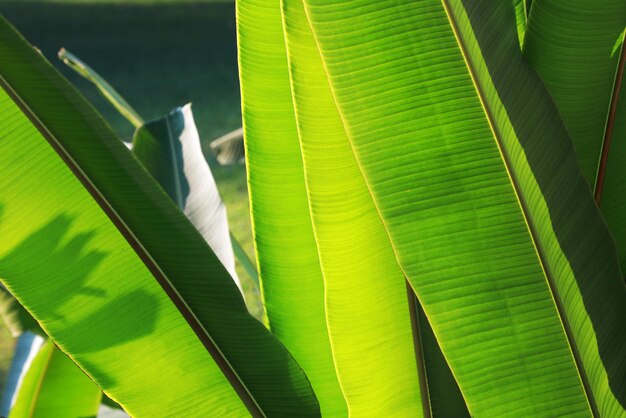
<point x="427" y="183"/>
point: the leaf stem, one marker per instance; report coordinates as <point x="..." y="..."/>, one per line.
<point x="610" y="123"/>
<point x="105" y="88"/>
<point x="245" y="261"/>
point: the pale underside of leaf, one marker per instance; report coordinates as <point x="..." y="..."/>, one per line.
<point x="170" y="150"/>
<point x="26" y="348"/>
<point x="182" y="165"/>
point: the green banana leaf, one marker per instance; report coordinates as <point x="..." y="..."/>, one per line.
<point x="201" y="201"/>
<point x="477" y="183"/>
<point x="54" y="387"/>
<point x="289" y="269"/>
<point x="379" y="358"/>
<point x="521" y="19"/>
<point x="133" y="294"/>
<point x="169" y="148"/>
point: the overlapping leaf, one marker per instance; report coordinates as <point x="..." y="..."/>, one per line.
<point x="379" y="358"/>
<point x="54" y="387"/>
<point x="477" y="183"/>
<point x="161" y="148"/>
<point x="289" y="269"/>
<point x="170" y="150"/>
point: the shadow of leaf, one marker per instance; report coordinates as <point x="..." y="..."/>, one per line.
<point x="49" y="268"/>
<point x="43" y="256"/>
<point x="118" y="311"/>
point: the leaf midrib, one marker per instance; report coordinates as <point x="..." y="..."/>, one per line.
<point x="610" y="124"/>
<point x="33" y="403"/>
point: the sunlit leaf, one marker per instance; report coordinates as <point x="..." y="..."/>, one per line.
<point x="477" y="183"/>
<point x="289" y="269"/>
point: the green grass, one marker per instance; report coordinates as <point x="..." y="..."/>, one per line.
<point x="7" y="342"/>
<point x="158" y="56"/>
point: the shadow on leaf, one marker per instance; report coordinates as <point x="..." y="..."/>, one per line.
<point x="50" y="268"/>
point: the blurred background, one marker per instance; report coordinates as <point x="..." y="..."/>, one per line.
<point x="159" y="54"/>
